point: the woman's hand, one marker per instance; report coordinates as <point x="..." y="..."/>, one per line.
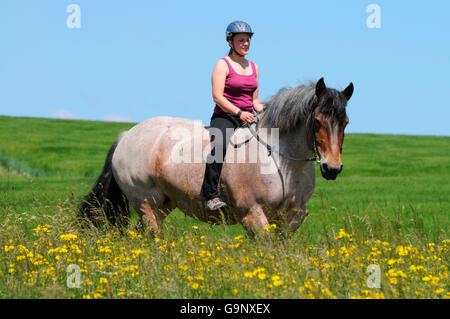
<point x="247" y="117"/>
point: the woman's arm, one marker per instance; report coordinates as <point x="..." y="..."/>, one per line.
<point x="257" y="104"/>
<point x="219" y="76"/>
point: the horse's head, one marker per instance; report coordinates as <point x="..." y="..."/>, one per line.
<point x="328" y="120"/>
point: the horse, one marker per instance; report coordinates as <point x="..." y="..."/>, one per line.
<point x="301" y="125"/>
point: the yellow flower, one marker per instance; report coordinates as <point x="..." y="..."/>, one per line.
<point x="331" y="252"/>
<point x="137" y="252"/>
<point x="402" y="251"/>
<point x="434" y="280"/>
<point x="262" y="276"/>
<point x="414" y="268"/>
<point x="195" y="286"/>
<point x="270" y="226"/>
<point x="42" y="229"/>
<point x="8" y="248"/>
<point x="68" y="237"/>
<point x="392" y="261"/>
<point x="343" y="234"/>
<point x="278" y="283"/>
<point x="103" y="280"/>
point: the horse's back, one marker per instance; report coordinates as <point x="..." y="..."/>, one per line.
<point x="162" y="152"/>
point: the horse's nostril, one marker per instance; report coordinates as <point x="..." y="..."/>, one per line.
<point x="340" y="168"/>
<point x="325" y="166"/>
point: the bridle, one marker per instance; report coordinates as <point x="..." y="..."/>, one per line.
<point x="316" y="157"/>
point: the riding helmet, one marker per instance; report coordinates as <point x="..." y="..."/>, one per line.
<point x="238" y="27"/>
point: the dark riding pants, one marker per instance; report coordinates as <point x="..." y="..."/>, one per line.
<point x="214" y="167"/>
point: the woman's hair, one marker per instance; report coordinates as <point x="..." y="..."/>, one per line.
<point x="231" y="49"/>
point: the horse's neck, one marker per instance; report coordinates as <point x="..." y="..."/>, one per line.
<point x="288" y="145"/>
<point x="293" y="143"/>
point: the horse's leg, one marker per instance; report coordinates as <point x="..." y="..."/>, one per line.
<point x="295" y="218"/>
<point x="151" y="217"/>
<point x="151" y="212"/>
<point x="255" y="222"/>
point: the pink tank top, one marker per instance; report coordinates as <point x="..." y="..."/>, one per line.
<point x="239" y="89"/>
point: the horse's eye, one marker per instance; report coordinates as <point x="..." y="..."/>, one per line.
<point x="317" y="124"/>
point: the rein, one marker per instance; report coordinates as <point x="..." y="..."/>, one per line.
<point x="316" y="157"/>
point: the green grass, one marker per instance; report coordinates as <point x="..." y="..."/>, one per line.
<point x="393" y="188"/>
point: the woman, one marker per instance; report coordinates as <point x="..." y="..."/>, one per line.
<point x="235" y="92"/>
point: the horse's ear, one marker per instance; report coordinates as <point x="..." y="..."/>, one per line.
<point x="348" y="91"/>
<point x="320" y="88"/>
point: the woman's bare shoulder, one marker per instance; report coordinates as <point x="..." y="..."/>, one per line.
<point x="256" y="65"/>
<point x="221" y="62"/>
<point x="221" y="66"/>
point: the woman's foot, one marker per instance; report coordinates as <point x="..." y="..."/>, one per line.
<point x="215" y="204"/>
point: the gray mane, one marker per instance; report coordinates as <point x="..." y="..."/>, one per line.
<point x="289" y="107"/>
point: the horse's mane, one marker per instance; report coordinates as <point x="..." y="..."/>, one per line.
<point x="292" y="106"/>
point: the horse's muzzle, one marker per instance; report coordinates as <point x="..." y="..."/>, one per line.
<point x="330" y="173"/>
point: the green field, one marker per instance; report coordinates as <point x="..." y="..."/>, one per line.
<point x="392" y="194"/>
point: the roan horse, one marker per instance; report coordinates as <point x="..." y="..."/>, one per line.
<point x="141" y="168"/>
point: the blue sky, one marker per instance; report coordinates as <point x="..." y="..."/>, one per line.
<point x="132" y="60"/>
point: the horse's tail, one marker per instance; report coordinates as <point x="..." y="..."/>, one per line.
<point x="106" y="199"/>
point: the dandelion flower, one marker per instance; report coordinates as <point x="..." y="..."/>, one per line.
<point x="262" y="276"/>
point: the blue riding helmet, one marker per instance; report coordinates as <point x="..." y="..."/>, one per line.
<point x="238" y="27"/>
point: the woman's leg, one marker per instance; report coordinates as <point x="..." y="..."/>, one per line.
<point x="214" y="163"/>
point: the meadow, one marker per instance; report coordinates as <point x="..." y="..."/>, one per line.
<point x="387" y="214"/>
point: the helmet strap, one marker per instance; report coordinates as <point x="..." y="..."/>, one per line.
<point x="234" y="50"/>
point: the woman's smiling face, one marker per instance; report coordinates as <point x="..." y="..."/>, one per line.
<point x="241" y="43"/>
